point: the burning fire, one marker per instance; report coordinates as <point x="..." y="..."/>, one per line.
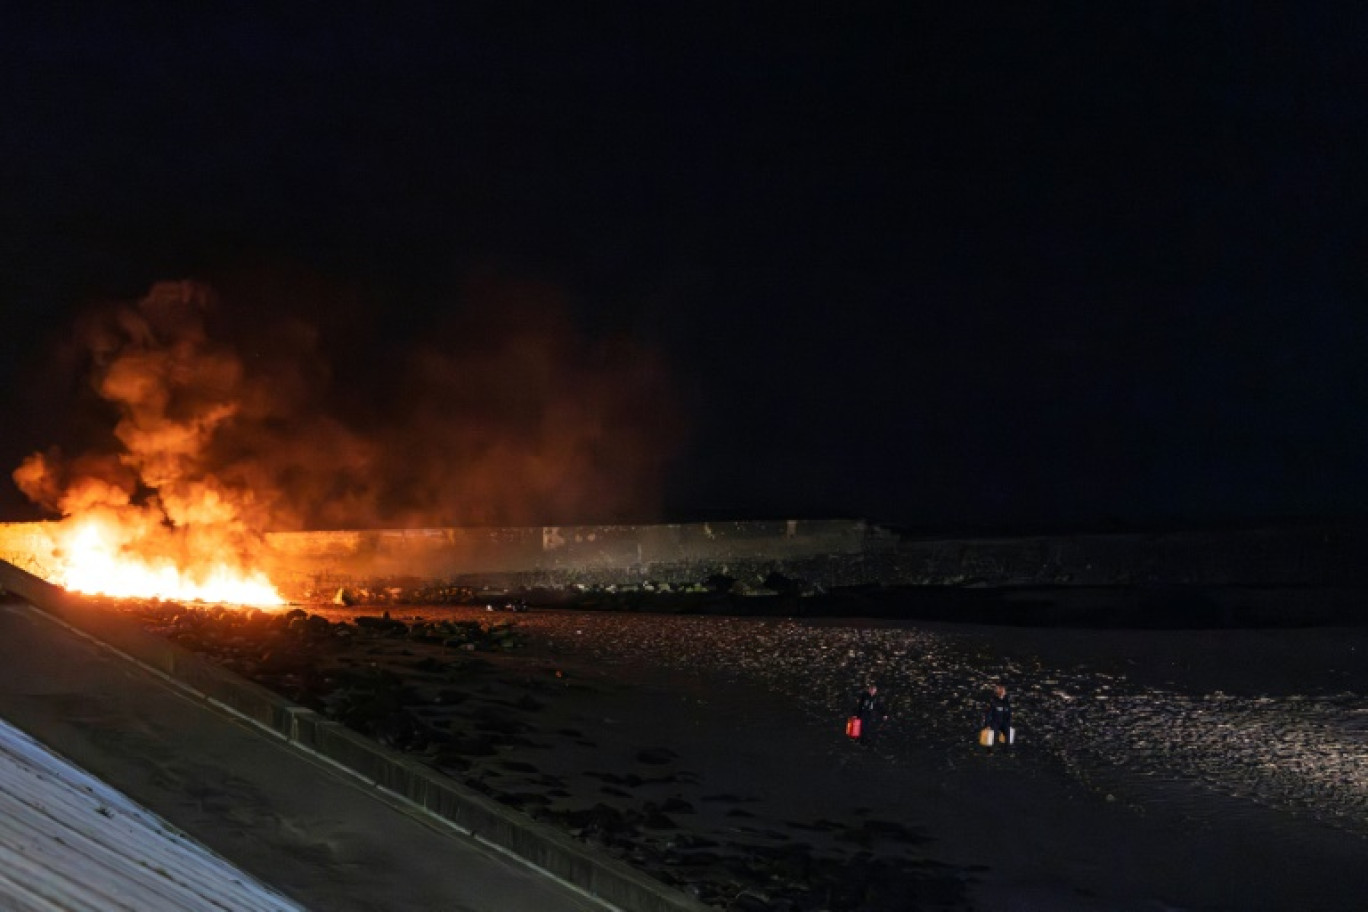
<point x="150" y="517"/>
<point x="94" y="557"/>
<point x="223" y="427"/>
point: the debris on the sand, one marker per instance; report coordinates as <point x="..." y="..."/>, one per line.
<point x="425" y="684"/>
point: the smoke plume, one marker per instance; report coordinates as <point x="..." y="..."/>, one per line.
<point x="504" y="414"/>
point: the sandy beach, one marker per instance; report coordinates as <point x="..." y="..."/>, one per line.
<point x="1190" y="769"/>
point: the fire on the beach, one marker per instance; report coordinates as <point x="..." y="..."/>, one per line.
<point x="100" y="555"/>
<point x="224" y="429"/>
<point x="150" y="515"/>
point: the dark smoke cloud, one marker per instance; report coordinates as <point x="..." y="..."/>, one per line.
<point x="503" y="414"/>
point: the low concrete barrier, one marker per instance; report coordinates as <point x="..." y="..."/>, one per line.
<point x="552" y="851"/>
<point x="827" y="553"/>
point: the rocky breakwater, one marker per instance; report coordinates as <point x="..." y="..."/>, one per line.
<point x="1287" y="575"/>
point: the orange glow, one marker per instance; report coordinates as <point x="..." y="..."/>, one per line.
<point x="99" y="555"/>
<point x="151" y="518"/>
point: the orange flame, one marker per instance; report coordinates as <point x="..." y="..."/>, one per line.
<point x="151" y="519"/>
<point x="95" y="555"/>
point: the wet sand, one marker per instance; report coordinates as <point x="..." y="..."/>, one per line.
<point x="1194" y="769"/>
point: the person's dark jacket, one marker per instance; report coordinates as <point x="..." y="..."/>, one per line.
<point x="869" y="707"/>
<point x="998" y="716"/>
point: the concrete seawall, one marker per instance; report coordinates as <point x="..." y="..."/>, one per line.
<point x="565" y="555"/>
<point x="824" y="553"/>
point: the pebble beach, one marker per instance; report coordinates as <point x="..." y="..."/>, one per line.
<point x="1153" y="769"/>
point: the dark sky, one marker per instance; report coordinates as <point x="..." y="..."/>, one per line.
<point x="995" y="267"/>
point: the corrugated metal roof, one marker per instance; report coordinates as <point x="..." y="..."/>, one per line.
<point x="69" y="842"/>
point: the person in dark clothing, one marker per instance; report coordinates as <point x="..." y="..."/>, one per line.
<point x="998" y="716"/>
<point x="869" y="708"/>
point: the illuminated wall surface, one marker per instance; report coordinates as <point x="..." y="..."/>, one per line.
<point x="829" y="553"/>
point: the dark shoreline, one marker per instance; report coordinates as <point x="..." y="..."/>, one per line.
<point x="1169" y="607"/>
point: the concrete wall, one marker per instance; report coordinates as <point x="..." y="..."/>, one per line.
<point x="26" y="546"/>
<point x="562" y="555"/>
<point x="829" y="553"/>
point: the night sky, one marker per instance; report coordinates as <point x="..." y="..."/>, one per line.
<point x="938" y="268"/>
